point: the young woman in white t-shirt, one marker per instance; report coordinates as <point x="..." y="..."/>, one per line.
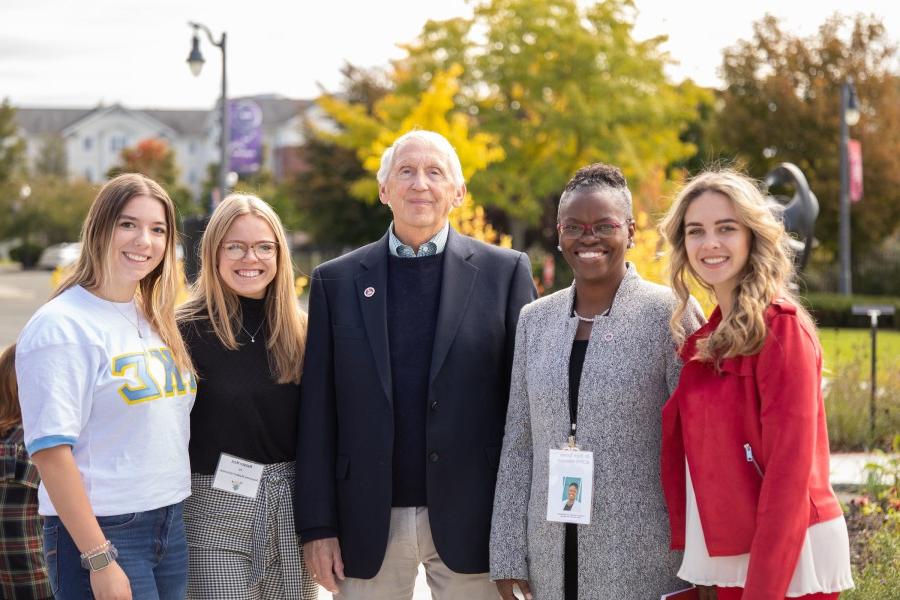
<point x="106" y="390"/>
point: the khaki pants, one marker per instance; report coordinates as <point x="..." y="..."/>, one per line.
<point x="409" y="544"/>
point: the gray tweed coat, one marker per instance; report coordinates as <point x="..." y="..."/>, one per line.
<point x="629" y="372"/>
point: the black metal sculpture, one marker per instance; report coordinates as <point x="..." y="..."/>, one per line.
<point x="800" y="210"/>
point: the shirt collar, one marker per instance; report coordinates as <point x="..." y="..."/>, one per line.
<point x="439" y="241"/>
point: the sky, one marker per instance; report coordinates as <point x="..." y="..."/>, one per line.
<point x="69" y="53"/>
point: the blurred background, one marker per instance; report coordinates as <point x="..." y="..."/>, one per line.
<point x="295" y="102"/>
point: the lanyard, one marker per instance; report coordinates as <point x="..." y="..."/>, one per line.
<point x="573" y="398"/>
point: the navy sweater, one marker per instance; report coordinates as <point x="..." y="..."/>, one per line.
<point x="414" y="293"/>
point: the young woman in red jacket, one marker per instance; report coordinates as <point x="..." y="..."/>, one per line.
<point x="745" y="446"/>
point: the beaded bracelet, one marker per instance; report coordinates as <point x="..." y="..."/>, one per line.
<point x="97" y="550"/>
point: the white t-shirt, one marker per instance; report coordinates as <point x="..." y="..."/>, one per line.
<point x="88" y="380"/>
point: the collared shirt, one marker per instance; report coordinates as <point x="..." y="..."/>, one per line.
<point x="433" y="246"/>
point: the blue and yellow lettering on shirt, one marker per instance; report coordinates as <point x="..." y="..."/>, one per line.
<point x="136" y="365"/>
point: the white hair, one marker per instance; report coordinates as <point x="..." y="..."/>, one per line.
<point x="439" y="142"/>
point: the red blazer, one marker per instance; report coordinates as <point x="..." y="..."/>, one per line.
<point x="756" y="441"/>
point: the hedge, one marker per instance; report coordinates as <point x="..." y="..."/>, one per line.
<point x="835" y="310"/>
<point x="27" y="254"/>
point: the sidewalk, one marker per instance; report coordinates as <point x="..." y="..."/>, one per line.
<point x="849" y="468"/>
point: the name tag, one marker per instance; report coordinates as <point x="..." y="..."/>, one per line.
<point x="237" y="476"/>
<point x="571" y="486"/>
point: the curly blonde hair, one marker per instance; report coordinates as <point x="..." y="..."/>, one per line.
<point x="766" y="276"/>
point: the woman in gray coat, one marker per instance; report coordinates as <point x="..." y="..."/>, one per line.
<point x="596" y="362"/>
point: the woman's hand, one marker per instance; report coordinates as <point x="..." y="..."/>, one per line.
<point x="706" y="592"/>
<point x="506" y="586"/>
<point x="111" y="583"/>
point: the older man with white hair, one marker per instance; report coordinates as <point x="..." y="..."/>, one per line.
<point x="404" y="392"/>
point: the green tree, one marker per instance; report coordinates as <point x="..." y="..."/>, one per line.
<point x="328" y="211"/>
<point x="781" y="104"/>
<point x="263" y="185"/>
<point x="12" y="147"/>
<point x="53" y="212"/>
<point x="560" y="86"/>
<point x="52" y="159"/>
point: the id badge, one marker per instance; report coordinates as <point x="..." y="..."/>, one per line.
<point x="571" y="486"/>
<point x="237" y="476"/>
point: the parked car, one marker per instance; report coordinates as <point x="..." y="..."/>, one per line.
<point x="59" y="255"/>
<point x="65" y="254"/>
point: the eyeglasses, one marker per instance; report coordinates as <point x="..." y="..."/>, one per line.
<point x="573" y="231"/>
<point x="238" y="250"/>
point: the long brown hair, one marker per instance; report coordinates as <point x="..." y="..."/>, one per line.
<point x="157" y="291"/>
<point x="10" y="413"/>
<point x="286" y="323"/>
<point x="766" y="276"/>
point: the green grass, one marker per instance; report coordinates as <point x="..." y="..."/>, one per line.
<point x="843" y="346"/>
<point x="847" y="397"/>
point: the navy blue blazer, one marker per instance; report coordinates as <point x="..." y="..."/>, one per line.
<point x="346" y="422"/>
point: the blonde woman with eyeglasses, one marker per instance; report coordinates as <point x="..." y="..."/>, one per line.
<point x="246" y="336"/>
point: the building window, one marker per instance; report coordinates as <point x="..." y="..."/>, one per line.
<point x="117" y="143"/>
<point x="192" y="177"/>
<point x="88" y="174"/>
<point x="88" y="143"/>
<point x="192" y="147"/>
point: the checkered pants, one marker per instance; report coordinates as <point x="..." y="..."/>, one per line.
<point x="242" y="548"/>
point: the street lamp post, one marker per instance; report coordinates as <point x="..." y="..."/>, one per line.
<point x="195" y="61"/>
<point x="849" y="117"/>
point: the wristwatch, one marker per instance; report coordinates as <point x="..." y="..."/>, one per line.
<point x="100" y="560"/>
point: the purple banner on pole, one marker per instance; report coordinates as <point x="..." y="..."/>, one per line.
<point x="245" y="146"/>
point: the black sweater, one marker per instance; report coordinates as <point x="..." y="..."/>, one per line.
<point x="239" y="408"/>
<point x="414" y="293"/>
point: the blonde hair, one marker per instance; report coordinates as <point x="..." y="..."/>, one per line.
<point x="285" y="322"/>
<point x="10" y="413"/>
<point x="766" y="276"/>
<point x="156" y="293"/>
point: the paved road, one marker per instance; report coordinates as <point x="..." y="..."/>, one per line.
<point x="21" y="293"/>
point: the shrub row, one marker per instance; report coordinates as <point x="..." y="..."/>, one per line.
<point x="836" y="310"/>
<point x="27" y="254"/>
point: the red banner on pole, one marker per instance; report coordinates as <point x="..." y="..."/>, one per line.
<point x="854" y="158"/>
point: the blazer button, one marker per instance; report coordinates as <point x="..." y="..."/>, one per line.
<point x="434" y="405"/>
<point x="433" y="457"/>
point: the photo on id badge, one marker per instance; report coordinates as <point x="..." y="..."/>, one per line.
<point x="572" y="494"/>
<point x="569" y="487"/>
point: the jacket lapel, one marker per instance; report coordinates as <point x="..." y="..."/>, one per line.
<point x="374" y="309"/>
<point x="458" y="281"/>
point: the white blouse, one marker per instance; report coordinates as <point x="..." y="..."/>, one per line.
<point x="823" y="566"/>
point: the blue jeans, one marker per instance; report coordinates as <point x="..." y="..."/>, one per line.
<point x="152" y="552"/>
